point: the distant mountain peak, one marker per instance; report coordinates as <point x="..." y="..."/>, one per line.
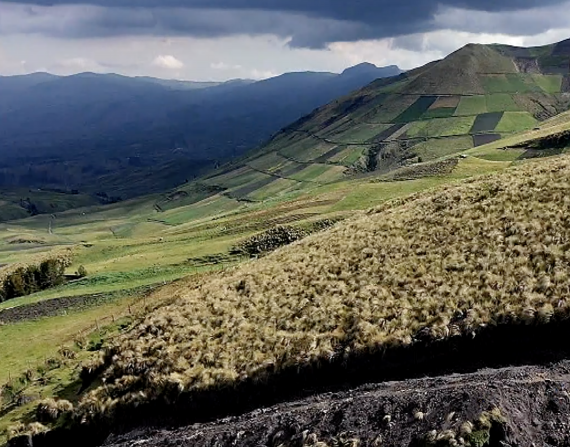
<point x="367" y="67"/>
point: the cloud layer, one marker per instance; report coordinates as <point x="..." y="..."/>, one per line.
<point x="168" y="61"/>
<point x="313" y="24"/>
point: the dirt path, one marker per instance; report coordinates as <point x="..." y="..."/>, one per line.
<point x="535" y="400"/>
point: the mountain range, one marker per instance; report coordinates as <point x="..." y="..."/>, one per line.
<point x="130" y="136"/>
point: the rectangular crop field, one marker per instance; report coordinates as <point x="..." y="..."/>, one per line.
<point x="331" y="153"/>
<point x="515" y="122"/>
<point x="360" y="133"/>
<point x="391" y="108"/>
<point x="441" y="127"/>
<point x="500" y="102"/>
<point x="441" y="147"/>
<point x="307" y="150"/>
<point x="486" y="122"/>
<point x="445" y="102"/>
<point x="549" y="83"/>
<point x="310" y="173"/>
<point x="480" y="140"/>
<point x="227" y="179"/>
<point x="522" y="83"/>
<point x="333" y="127"/>
<point x="249" y="188"/>
<point x="269" y="162"/>
<point x="277" y="187"/>
<point x="497" y="84"/>
<point x="442" y="112"/>
<point x="292" y="167"/>
<point x="349" y="155"/>
<point x="471" y="105"/>
<point x="509" y="83"/>
<point x="332" y="174"/>
<point x="416" y="110"/>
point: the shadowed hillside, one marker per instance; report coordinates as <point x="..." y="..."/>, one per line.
<point x="132" y="136"/>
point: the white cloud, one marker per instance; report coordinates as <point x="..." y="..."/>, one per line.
<point x="224" y="67"/>
<point x="168" y="61"/>
<point x="79" y="63"/>
<point x="261" y="74"/>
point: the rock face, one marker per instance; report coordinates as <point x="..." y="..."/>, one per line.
<point x="534" y="402"/>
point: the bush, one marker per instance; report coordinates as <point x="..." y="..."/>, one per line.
<point x="82" y="271"/>
<point x="269" y="240"/>
<point x="277" y="237"/>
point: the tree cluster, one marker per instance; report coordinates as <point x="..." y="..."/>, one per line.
<point x="33" y="278"/>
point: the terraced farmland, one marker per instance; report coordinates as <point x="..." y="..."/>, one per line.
<point x="475" y="96"/>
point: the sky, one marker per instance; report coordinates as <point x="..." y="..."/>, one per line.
<point x="216" y="40"/>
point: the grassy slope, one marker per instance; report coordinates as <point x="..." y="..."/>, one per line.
<point x="209" y="232"/>
<point x="368" y="284"/>
<point x="131" y="244"/>
<point x="140" y="257"/>
<point x="41" y="354"/>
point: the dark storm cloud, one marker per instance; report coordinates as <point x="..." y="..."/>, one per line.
<point x="310" y="23"/>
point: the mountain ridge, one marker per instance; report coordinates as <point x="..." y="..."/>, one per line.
<point x="85" y="131"/>
<point x="476" y="95"/>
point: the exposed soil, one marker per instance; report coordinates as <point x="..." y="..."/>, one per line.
<point x="329" y="399"/>
<point x="534" y="400"/>
<point x="566" y="84"/>
<point x="49" y="308"/>
<point x="527" y="65"/>
<point x="56" y="306"/>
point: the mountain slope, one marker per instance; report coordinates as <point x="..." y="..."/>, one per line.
<point x="477" y="95"/>
<point x="411" y="285"/>
<point x="111" y="133"/>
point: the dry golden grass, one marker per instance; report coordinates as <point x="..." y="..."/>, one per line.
<point x="489" y="251"/>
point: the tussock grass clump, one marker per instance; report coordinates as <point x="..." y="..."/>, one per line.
<point x="470" y="434"/>
<point x="19" y="429"/>
<point x="269" y="240"/>
<point x="490" y="251"/>
<point x="50" y="410"/>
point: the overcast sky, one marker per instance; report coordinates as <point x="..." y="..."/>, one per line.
<point x="224" y="39"/>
